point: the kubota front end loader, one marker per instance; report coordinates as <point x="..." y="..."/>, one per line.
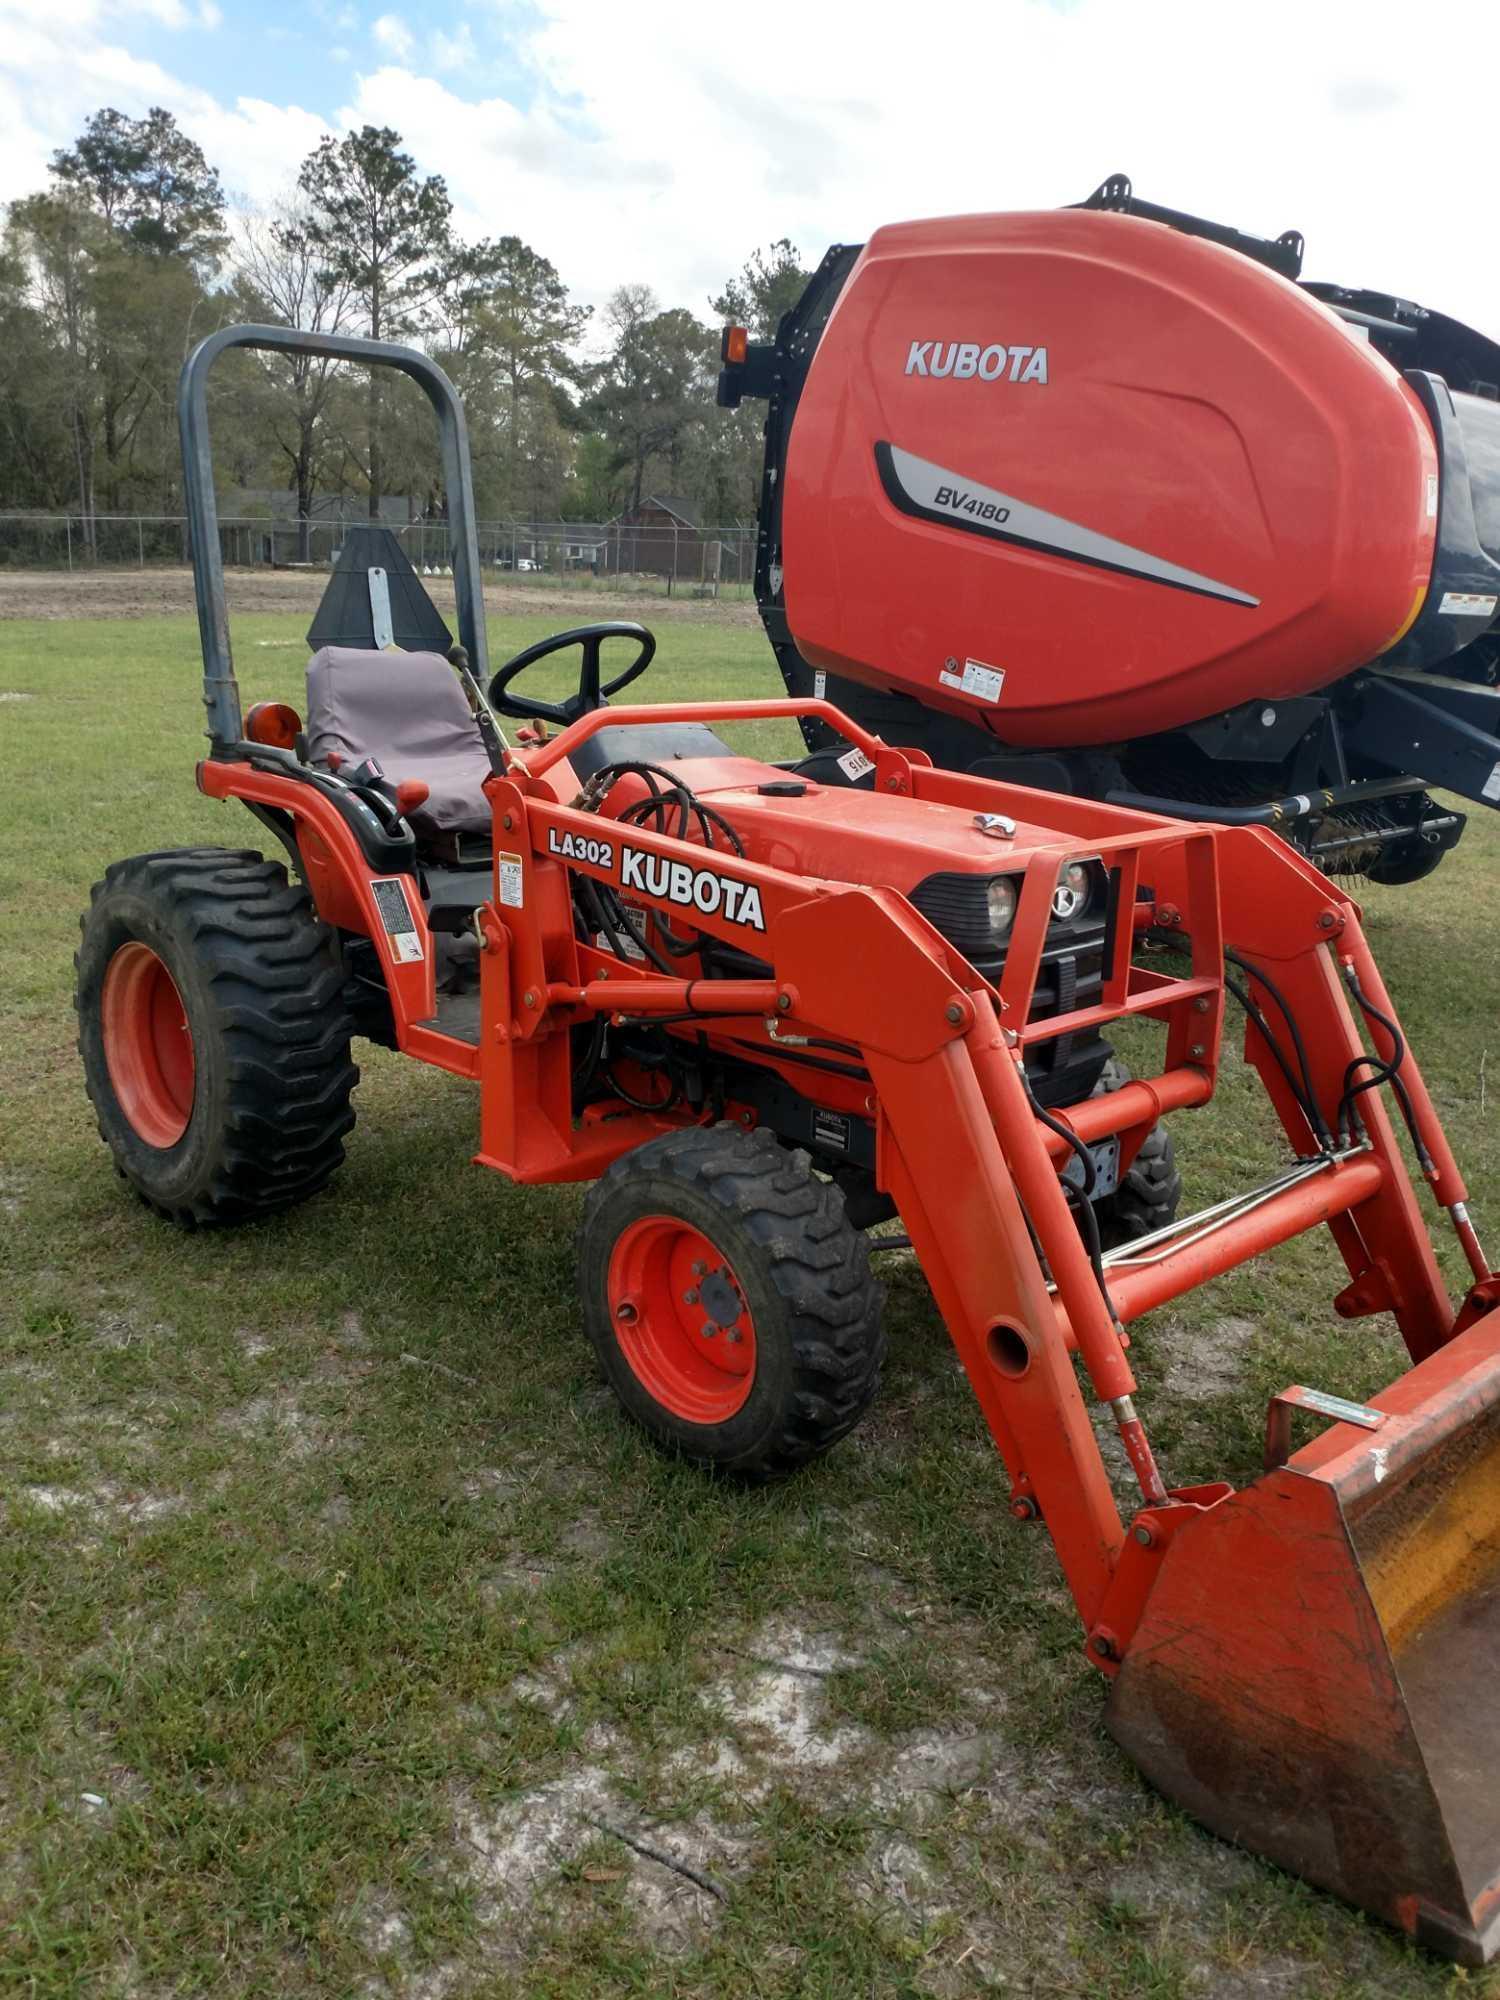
<point x="725" y="993"/>
<point x="1109" y="500"/>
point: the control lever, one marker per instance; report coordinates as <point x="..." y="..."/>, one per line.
<point x="491" y="734"/>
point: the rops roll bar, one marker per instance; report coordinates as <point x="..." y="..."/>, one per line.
<point x="221" y="695"/>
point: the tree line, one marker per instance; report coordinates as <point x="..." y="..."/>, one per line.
<point x="132" y="253"/>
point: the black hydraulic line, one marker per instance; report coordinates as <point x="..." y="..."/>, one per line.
<point x="598" y="904"/>
<point x="1088" y="1222"/>
<point x="1306" y="1096"/>
<point x="588" y="1069"/>
<point x="1296" y="805"/>
<point x="1308" y="1109"/>
<point x="666" y="794"/>
<point x="798" y="1055"/>
<point x="1386" y="1070"/>
<point x="702" y="1016"/>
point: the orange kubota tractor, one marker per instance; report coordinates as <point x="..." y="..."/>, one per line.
<point x="726" y="993"/>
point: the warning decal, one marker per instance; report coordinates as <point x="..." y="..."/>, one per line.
<point x="511" y="879"/>
<point x="396" y="915"/>
<point x="978" y="681"/>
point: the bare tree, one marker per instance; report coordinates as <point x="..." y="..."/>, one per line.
<point x="288" y="281"/>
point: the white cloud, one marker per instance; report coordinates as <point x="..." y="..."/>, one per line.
<point x="394" y="37"/>
<point x="455" y="51"/>
<point x="629" y="142"/>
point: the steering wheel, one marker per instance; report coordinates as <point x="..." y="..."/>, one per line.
<point x="590" y="694"/>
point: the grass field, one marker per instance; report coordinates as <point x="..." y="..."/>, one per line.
<point x="354" y="1645"/>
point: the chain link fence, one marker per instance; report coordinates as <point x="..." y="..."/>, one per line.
<point x="649" y="558"/>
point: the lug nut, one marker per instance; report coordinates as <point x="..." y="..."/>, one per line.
<point x="709" y="1329"/>
<point x="690" y="1298"/>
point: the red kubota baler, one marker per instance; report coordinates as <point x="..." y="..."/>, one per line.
<point x="1108" y="500"/>
<point x="723" y="992"/>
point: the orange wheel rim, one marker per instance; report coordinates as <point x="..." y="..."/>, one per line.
<point x="680" y="1319"/>
<point x="148" y="1046"/>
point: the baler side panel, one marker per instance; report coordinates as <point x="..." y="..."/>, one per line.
<point x="1196" y="408"/>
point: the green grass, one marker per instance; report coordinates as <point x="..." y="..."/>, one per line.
<point x="332" y="1573"/>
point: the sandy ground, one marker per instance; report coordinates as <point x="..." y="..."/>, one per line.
<point x="155" y="593"/>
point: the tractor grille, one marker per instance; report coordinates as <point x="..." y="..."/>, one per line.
<point x="1071" y="973"/>
<point x="1072" y="958"/>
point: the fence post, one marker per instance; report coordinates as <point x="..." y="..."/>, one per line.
<point x="68" y="525"/>
<point x="140" y="538"/>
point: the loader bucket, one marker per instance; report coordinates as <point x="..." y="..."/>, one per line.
<point x="1316" y="1673"/>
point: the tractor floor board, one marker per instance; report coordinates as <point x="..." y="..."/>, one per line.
<point x="457" y="1015"/>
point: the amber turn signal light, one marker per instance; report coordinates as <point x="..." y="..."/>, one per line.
<point x="274" y="723"/>
<point x="736" y="344"/>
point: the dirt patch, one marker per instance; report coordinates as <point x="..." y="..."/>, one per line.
<point x="1203" y="1362"/>
<point x="279" y="1414"/>
<point x="156" y="593"/>
<point x="674" y="1877"/>
<point x="105" y="1505"/>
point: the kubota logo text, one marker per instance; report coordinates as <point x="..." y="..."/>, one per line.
<point x="691" y="888"/>
<point x="964" y="358"/>
<point x="700" y="889"/>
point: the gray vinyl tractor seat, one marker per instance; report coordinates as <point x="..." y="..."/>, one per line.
<point x="408" y="712"/>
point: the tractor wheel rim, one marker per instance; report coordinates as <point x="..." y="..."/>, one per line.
<point x="681" y="1320"/>
<point x="148" y="1045"/>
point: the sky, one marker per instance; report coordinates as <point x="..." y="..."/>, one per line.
<point x="661" y="141"/>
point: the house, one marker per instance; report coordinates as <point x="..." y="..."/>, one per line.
<point x="665" y="536"/>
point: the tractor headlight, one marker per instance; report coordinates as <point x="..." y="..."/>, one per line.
<point x="1000" y="901"/>
<point x="1075" y="888"/>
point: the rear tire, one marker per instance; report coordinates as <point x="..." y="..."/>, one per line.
<point x="1150" y="1190"/>
<point x="214" y="1039"/>
<point x="730" y="1300"/>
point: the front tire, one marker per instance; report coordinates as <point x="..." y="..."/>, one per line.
<point x="729" y="1300"/>
<point x="214" y="1038"/>
<point x="1149" y="1190"/>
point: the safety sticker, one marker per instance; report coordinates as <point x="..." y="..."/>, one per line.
<point x="628" y="943"/>
<point x="1468" y="603"/>
<point x="820" y="685"/>
<point x="512" y="881"/>
<point x="982" y="683"/>
<point x="400" y="924"/>
<point x="855" y="765"/>
<point x="1432" y="496"/>
<point x="1492" y="784"/>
